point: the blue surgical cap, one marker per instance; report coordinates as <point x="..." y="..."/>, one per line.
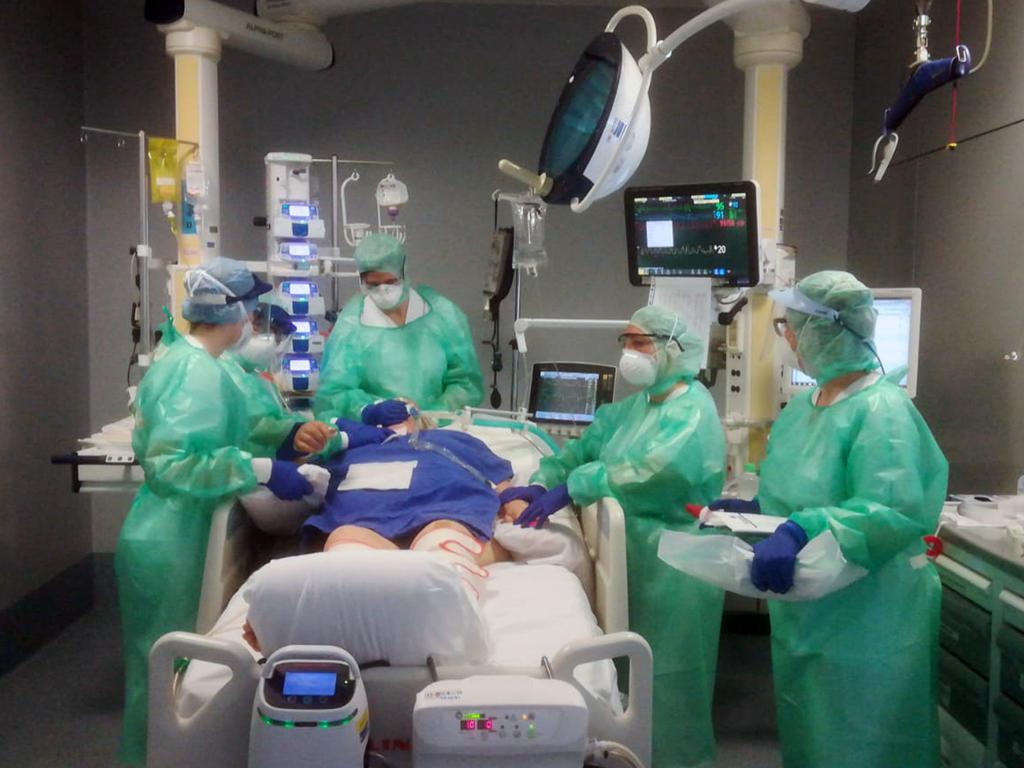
<point x="221" y="291"/>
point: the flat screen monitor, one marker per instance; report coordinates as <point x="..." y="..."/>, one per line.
<point x="570" y="393"/>
<point x="897" y="337"/>
<point x="693" y="230"/>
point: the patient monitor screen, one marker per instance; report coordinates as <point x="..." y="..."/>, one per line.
<point x="570" y="393"/>
<point x="893" y="338"/>
<point x="707" y="230"/>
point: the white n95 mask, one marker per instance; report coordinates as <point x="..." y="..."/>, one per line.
<point x="386" y="296"/>
<point x="638" y="369"/>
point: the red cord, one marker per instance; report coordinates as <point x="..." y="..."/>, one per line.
<point x="951" y="143"/>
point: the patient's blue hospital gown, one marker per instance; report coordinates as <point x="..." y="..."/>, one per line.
<point x="453" y="479"/>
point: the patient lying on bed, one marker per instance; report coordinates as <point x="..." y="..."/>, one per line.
<point x="425" y="490"/>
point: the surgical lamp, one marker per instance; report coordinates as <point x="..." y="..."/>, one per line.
<point x="598" y="133"/>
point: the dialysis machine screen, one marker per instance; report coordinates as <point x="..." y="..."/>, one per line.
<point x="696" y="230"/>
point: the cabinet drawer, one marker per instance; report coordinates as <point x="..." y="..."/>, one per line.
<point x="1011" y="667"/>
<point x="966" y="631"/>
<point x="964" y="695"/>
<point x="1010" y="722"/>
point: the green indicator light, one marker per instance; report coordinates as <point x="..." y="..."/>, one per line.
<point x="472" y="716"/>
<point x="324" y="724"/>
<point x="289" y="724"/>
<point x="266" y="720"/>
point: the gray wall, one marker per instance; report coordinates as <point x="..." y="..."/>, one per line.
<point x="44" y="362"/>
<point x="445" y="91"/>
<point x="950" y="224"/>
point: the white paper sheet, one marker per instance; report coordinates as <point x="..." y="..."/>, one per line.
<point x="379" y="476"/>
<point x="691" y="299"/>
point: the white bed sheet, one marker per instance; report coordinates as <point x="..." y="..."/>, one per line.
<point x="531" y="611"/>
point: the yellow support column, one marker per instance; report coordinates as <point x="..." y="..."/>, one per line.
<point x="766" y="58"/>
<point x="196" y="52"/>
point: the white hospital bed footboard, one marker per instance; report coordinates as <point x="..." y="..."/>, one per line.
<point x="217" y="735"/>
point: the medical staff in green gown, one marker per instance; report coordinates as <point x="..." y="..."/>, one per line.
<point x="396" y="341"/>
<point x="655" y="452"/>
<point x="190" y="423"/>
<point x="854" y="671"/>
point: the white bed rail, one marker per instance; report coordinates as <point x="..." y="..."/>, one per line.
<point x="604" y="530"/>
<point x="220" y="740"/>
<point x="229" y="561"/>
<point x="632" y="727"/>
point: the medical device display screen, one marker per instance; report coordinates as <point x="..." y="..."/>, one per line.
<point x="303" y="366"/>
<point x="476" y="722"/>
<point x="296" y="210"/>
<point x="567" y="396"/>
<point x="697" y="230"/>
<point x="299" y="250"/>
<point x="298" y="289"/>
<point x="302" y="326"/>
<point x="892" y="338"/>
<point x="570" y="393"/>
<point x="310" y="683"/>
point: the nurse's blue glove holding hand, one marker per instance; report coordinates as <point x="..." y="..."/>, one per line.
<point x="775" y="558"/>
<point x="361" y="434"/>
<point x="286" y="482"/>
<point x="736" y="505"/>
<point x="385" y="413"/>
<point x="527" y="493"/>
<point x="537" y="514"/>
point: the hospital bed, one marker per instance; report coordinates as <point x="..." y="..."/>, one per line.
<point x="200" y="715"/>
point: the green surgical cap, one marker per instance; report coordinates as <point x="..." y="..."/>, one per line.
<point x="677" y="360"/>
<point x="380" y="253"/>
<point x="832" y="349"/>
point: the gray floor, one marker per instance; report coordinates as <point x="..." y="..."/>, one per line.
<point x="61" y="707"/>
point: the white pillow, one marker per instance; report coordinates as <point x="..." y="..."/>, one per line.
<point x="379" y="605"/>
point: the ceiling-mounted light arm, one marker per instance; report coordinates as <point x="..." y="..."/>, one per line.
<point x="657" y="53"/>
<point x="599" y="131"/>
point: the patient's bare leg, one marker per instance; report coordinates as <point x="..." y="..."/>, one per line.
<point x="356" y="537"/>
<point x="456" y="544"/>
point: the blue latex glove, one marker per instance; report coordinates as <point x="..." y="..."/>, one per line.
<point x="736" y="505"/>
<point x="362" y="434"/>
<point x="537" y="514"/>
<point x="527" y="493"/>
<point x="385" y="413"/>
<point x="286" y="482"/>
<point x="775" y="558"/>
